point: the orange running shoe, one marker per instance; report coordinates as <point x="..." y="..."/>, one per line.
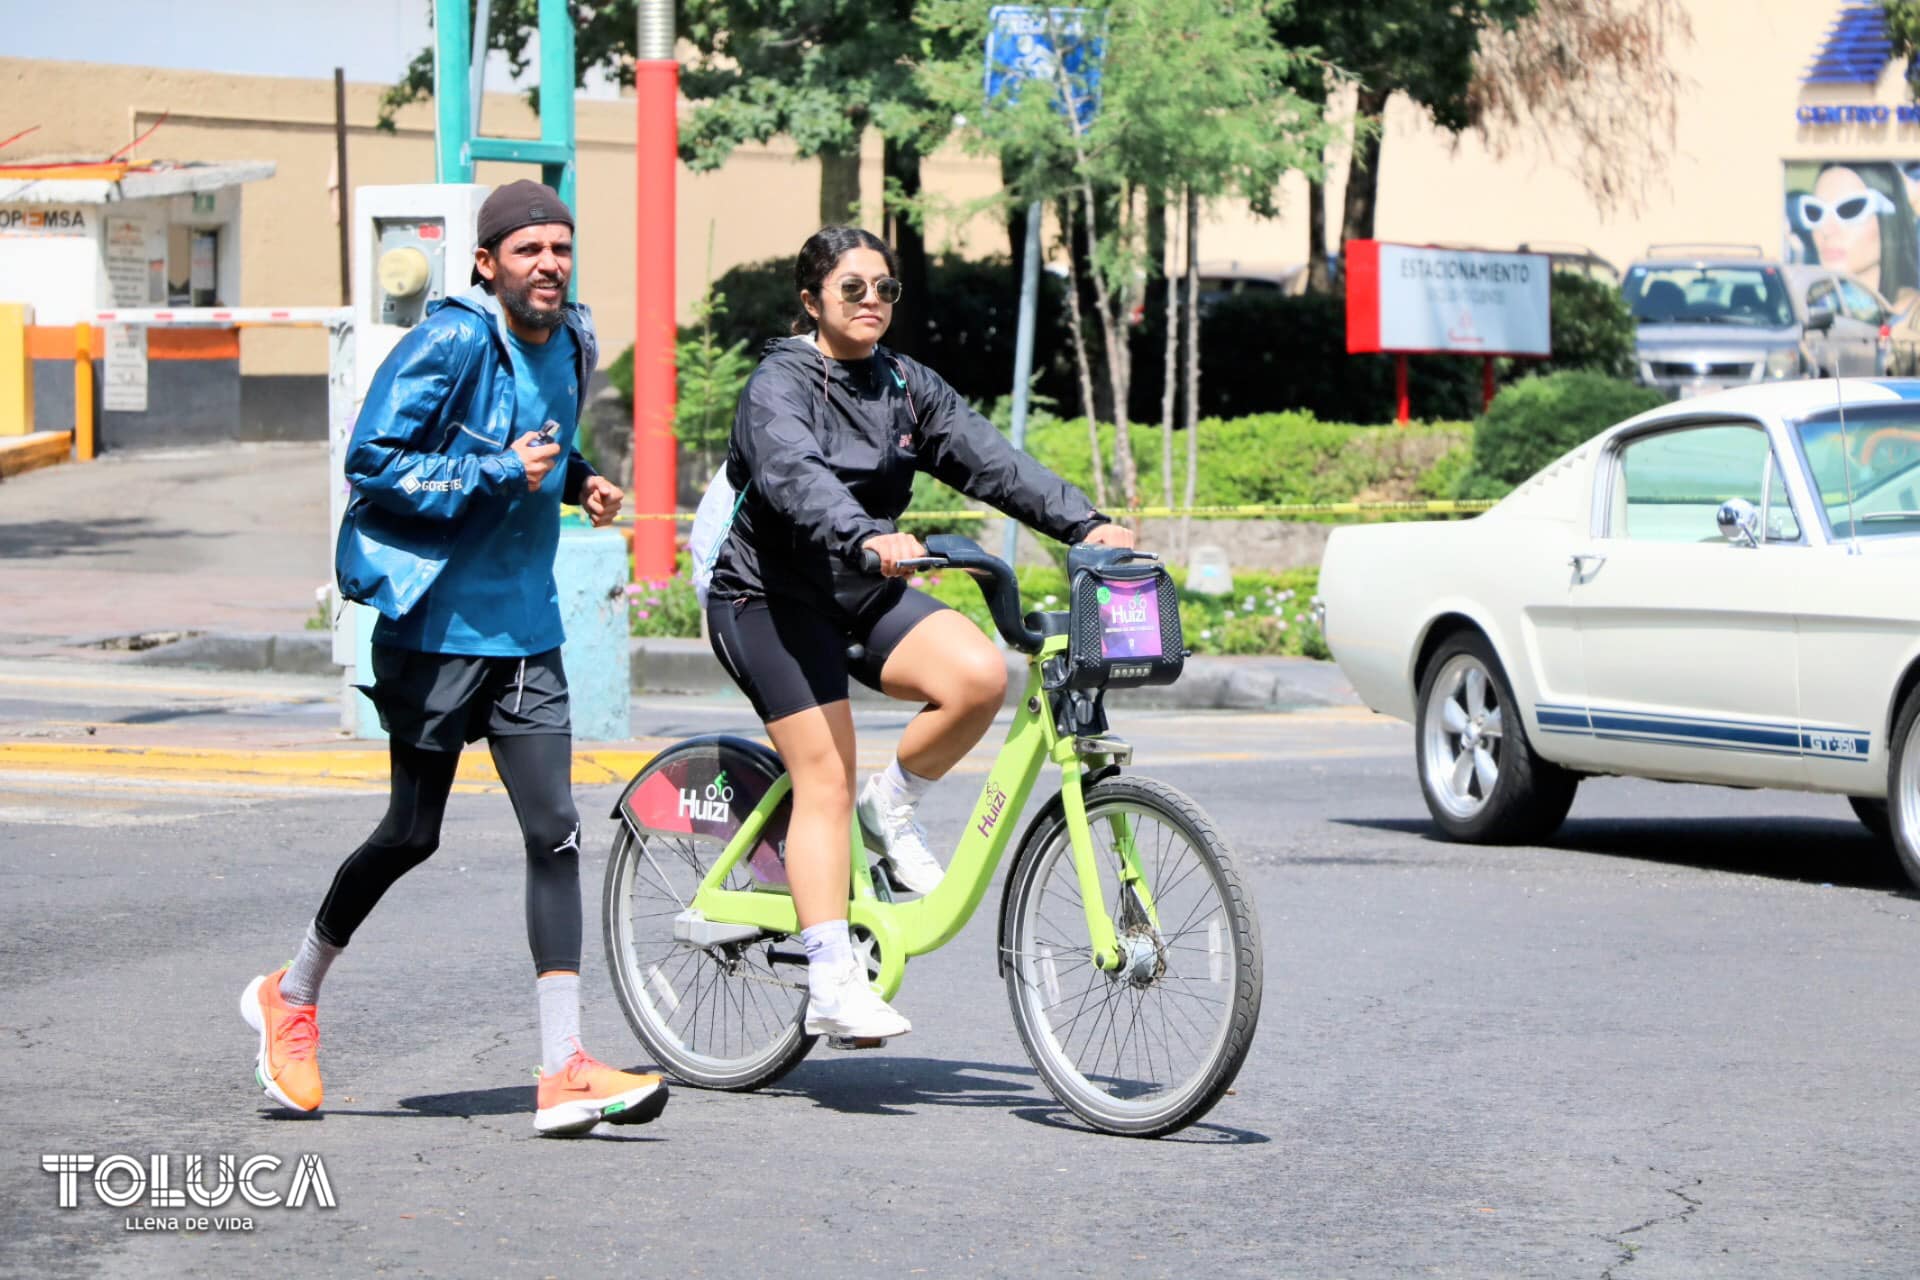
<point x="584" y="1092"/>
<point x="289" y="1038"/>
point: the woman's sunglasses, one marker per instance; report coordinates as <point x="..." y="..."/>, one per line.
<point x="1813" y="212"/>
<point x="854" y="289"/>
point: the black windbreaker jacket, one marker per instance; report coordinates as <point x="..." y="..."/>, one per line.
<point x="825" y="453"/>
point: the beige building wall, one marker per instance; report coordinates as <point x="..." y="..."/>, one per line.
<point x="1722" y="180"/>
<point x="761" y="205"/>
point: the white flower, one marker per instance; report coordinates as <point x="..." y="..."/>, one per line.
<point x="1051" y="600"/>
<point x="1206" y="635"/>
<point x="1228" y="615"/>
<point x="1282" y="624"/>
<point x="1247" y="603"/>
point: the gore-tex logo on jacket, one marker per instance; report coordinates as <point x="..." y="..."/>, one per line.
<point x="414" y="484"/>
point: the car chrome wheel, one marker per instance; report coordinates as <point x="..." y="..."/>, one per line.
<point x="1905" y="793"/>
<point x="1464" y="737"/>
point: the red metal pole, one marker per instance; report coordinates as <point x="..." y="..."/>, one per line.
<point x="1401" y="415"/>
<point x="655" y="457"/>
<point x="1486" y="385"/>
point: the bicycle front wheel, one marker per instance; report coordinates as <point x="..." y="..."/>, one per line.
<point x="721" y="1017"/>
<point x="1150" y="1048"/>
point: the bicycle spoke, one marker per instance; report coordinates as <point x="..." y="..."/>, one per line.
<point x="1143" y="1039"/>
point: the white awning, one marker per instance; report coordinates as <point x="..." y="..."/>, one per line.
<point x="139" y="184"/>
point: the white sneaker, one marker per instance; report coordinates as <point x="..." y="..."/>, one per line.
<point x="896" y="835"/>
<point x="842" y="1004"/>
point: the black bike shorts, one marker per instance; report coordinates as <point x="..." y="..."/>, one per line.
<point x="442" y="701"/>
<point x="787" y="656"/>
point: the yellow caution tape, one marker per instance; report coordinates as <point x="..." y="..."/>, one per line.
<point x="1255" y="511"/>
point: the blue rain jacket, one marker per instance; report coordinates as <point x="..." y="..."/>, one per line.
<point x="431" y="449"/>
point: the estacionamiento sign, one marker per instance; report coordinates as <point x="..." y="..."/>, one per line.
<point x="1412" y="300"/>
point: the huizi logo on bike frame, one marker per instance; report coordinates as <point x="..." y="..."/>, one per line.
<point x="167" y="1182"/>
<point x="995" y="801"/>
<point x="713" y="804"/>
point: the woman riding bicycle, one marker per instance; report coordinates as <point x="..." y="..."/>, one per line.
<point x="827" y="437"/>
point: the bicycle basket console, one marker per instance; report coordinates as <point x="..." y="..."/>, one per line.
<point x="1124" y="620"/>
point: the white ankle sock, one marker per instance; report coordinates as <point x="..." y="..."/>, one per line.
<point x="829" y="950"/>
<point x="301" y="984"/>
<point x="559" y="1019"/>
<point x="902" y="786"/>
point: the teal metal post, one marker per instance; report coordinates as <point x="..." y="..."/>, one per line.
<point x="452" y="107"/>
<point x="556" y="96"/>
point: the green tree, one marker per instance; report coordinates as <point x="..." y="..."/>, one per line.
<point x="1422" y="48"/>
<point x="818" y="72"/>
<point x="821" y="72"/>
<point x="1903" y="28"/>
<point x="1591" y="81"/>
<point x="604" y="33"/>
<point x="1194" y="104"/>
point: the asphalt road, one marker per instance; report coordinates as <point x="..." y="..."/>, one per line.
<point x="1676" y="1044"/>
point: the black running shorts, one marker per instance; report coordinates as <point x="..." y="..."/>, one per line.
<point x="787" y="656"/>
<point x="442" y="701"/>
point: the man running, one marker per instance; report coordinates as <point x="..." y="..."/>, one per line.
<point x="451" y="535"/>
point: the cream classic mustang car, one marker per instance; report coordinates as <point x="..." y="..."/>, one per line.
<point x="1723" y="590"/>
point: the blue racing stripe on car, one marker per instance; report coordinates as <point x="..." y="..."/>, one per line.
<point x="1707" y="732"/>
<point x="1905" y="388"/>
<point x="1665" y="729"/>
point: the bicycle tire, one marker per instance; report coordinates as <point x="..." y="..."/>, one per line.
<point x="715" y="1018"/>
<point x="1111" y="1102"/>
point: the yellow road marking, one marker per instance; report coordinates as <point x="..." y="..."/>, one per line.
<point x="323" y="768"/>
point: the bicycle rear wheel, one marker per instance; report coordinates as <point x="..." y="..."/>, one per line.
<point x="726" y="1016"/>
<point x="1150" y="1048"/>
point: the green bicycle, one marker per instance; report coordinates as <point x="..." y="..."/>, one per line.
<point x="1128" y="943"/>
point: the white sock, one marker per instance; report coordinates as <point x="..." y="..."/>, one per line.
<point x="559" y="1019"/>
<point x="301" y="983"/>
<point x="902" y="787"/>
<point x="829" y="950"/>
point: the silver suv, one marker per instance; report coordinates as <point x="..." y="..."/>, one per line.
<point x="1725" y="318"/>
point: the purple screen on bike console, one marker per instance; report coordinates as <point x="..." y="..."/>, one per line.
<point x="1130" y="619"/>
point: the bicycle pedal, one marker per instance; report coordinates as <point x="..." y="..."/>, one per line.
<point x="855" y="1042"/>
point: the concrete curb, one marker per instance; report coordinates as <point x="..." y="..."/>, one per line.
<point x="674" y="666"/>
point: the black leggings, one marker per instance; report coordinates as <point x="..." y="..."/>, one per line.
<point x="538" y="771"/>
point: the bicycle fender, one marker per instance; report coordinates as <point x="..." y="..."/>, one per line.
<point x="701" y="760"/>
<point x="1051" y="814"/>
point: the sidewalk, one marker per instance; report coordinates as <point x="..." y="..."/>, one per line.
<point x="209" y="558"/>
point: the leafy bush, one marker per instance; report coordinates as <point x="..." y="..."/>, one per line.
<point x="1262" y="458"/>
<point x="1267" y="352"/>
<point x="1592" y="329"/>
<point x="1536" y="420"/>
<point x="1267" y="614"/>
<point x="970" y="320"/>
<point x="667" y="608"/>
<point x="931" y="496"/>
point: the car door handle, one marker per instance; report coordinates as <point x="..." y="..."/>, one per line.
<point x="1579" y="560"/>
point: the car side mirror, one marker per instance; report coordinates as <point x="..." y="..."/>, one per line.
<point x="1820" y="318"/>
<point x="1739" y="522"/>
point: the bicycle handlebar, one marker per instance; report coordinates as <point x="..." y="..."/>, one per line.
<point x="993" y="575"/>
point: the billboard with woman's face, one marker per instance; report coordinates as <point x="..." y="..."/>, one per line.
<point x="1857" y="216"/>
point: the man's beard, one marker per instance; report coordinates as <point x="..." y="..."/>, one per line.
<point x="519" y="305"/>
